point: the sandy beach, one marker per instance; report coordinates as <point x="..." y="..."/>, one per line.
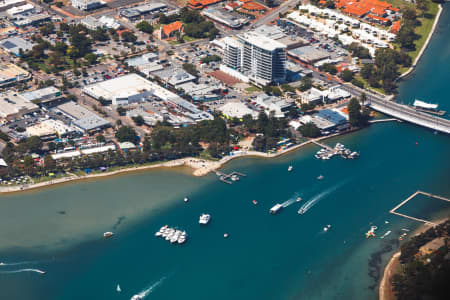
<point x="201" y="167"/>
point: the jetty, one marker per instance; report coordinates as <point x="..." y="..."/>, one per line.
<point x="393" y="211"/>
<point x="322" y="145"/>
<point x="384" y="120"/>
<point x="229" y="178"/>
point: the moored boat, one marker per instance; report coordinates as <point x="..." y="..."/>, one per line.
<point x="108" y="234"/>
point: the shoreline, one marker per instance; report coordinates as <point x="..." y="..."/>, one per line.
<point x="385" y="288"/>
<point x="200" y="166"/>
<point x="424" y="47"/>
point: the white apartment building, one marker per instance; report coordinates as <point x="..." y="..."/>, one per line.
<point x="261" y="59"/>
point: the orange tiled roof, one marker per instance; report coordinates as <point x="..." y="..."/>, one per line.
<point x="169" y="28"/>
<point x="378" y="10"/>
<point x="396" y="26"/>
<point x="377" y="18"/>
<point x="233" y="4"/>
<point x="352" y="10"/>
<point x="253" y="6"/>
<point x="202" y="3"/>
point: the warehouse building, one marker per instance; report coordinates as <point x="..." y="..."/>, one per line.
<point x="82" y="118"/>
<point x="13" y="106"/>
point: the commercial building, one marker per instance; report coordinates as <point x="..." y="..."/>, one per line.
<point x="30" y="20"/>
<point x="87" y="4"/>
<point x="274" y="32"/>
<point x="144" y="9"/>
<point x="261" y="59"/>
<point x="17" y="10"/>
<point x="200" y="4"/>
<point x="15" y="45"/>
<point x="202" y="92"/>
<point x="174" y="77"/>
<point x="49" y="129"/>
<point x="309" y="54"/>
<point x="133" y="88"/>
<point x="237" y="110"/>
<point x="226" y="18"/>
<point x="13" y="106"/>
<point x="10" y="74"/>
<point x="82" y="118"/>
<point x="7" y="4"/>
<point x="103" y="22"/>
<point x="48" y="97"/>
<point x="273" y="104"/>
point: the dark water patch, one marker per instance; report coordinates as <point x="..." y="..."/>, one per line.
<point x="375" y="260"/>
<point x="118" y="222"/>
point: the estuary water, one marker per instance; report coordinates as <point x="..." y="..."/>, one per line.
<point x="285" y="256"/>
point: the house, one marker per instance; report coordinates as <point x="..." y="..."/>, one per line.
<point x="396" y="27"/>
<point x="170" y="30"/>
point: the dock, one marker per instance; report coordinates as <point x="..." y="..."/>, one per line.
<point x="385" y="120"/>
<point x="226" y="177"/>
<point x="393" y="211"/>
<point x="322" y="145"/>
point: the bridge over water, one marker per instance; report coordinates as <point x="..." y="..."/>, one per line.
<point x="401" y="111"/>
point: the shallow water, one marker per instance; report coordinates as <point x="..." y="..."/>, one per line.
<point x="284" y="256"/>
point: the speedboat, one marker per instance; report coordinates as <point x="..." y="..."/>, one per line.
<point x="108" y="234"/>
<point x="234" y="177"/>
<point x="327" y="227"/>
<point x="320" y="177"/>
<point x="186" y="199"/>
<point x="137" y="297"/>
<point x="225" y="235"/>
<point x="255" y="202"/>
<point x="301" y="211"/>
<point x="290" y="168"/>
<point x="298" y="199"/>
<point x="118" y="289"/>
<point x="158" y="233"/>
<point x="204" y="219"/>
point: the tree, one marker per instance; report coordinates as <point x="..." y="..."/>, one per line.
<point x="330" y="4"/>
<point x="138" y="120"/>
<point x="28" y="164"/>
<point x="190" y="68"/>
<point x="100" y="138"/>
<point x="51" y="146"/>
<point x="81" y="45"/>
<point x="423" y="6"/>
<point x="49" y="163"/>
<point x="309" y="130"/>
<point x="329" y="68"/>
<point x="409" y="13"/>
<point x="33" y="143"/>
<point x="356" y="118"/>
<point x="128" y="37"/>
<point x="346" y="75"/>
<point x="367" y="70"/>
<point x="305" y="84"/>
<point x="144" y="26"/>
<point x="91" y="58"/>
<point x="126" y="134"/>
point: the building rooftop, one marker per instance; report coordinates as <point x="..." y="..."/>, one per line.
<point x="41" y="93"/>
<point x="172" y="27"/>
<point x="14" y="44"/>
<point x="261" y="41"/>
<point x="82" y="117"/>
<point x="12" y="104"/>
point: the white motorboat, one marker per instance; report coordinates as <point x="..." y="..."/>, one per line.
<point x="118" y="289"/>
<point x="298" y="199"/>
<point x="320" y="177"/>
<point x="158" y="233"/>
<point x="204" y="219"/>
<point x="186" y="199"/>
<point x="137" y="297"/>
<point x="290" y="168"/>
<point x="301" y="211"/>
<point x="108" y="234"/>
<point x="327" y="227"/>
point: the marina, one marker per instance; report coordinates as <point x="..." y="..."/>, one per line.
<point x="327" y="152"/>
<point x="231" y="177"/>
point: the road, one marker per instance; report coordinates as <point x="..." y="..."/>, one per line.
<point x="274" y="13"/>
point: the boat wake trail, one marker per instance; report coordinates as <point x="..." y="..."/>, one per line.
<point x="290" y="201"/>
<point x="305" y="207"/>
<point x="20" y="263"/>
<point x="148" y="290"/>
<point x="22" y="270"/>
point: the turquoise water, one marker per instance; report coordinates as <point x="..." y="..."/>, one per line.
<point x="286" y="256"/>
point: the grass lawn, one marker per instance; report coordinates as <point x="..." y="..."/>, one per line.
<point x="423" y="30"/>
<point x="253" y="89"/>
<point x="366" y="85"/>
<point x="399" y="3"/>
<point x="188" y="38"/>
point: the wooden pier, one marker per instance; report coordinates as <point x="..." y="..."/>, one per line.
<point x="225" y="177"/>
<point x="322" y="145"/>
<point x="393" y="211"/>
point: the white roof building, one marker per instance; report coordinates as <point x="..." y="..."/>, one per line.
<point x="237" y="110"/>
